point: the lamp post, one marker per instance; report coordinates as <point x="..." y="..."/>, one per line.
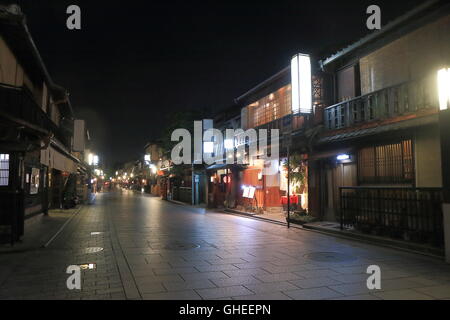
<point x="287" y="139"/>
<point x="288" y="188"/>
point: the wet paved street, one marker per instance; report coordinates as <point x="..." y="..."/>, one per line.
<point x="154" y="249"/>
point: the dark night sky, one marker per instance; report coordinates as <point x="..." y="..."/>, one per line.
<point x="134" y="62"/>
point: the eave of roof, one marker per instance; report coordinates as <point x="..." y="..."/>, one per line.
<point x="13" y="24"/>
<point x="377" y="129"/>
<point x="384" y="30"/>
<point x="263" y="84"/>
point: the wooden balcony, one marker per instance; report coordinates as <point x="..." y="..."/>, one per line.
<point x="403" y="99"/>
<point x="17" y="103"/>
<point x="286" y="124"/>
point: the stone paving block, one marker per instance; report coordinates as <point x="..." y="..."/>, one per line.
<point x="350" y="270"/>
<point x="225" y="261"/>
<point x="315" y="282"/>
<point x="316" y="273"/>
<point x="228" y="282"/>
<point x="351" y="289"/>
<point x="358" y="297"/>
<point x="393" y="274"/>
<point x="109" y="291"/>
<point x="158" y="278"/>
<point x="406" y="294"/>
<point x="245" y="272"/>
<point x="253" y="265"/>
<point x="187" y="285"/>
<point x="195" y="263"/>
<point x="151" y="287"/>
<point x="205" y="275"/>
<point x="282" y="269"/>
<point x="277" y="277"/>
<point x="264" y="296"/>
<point x="438" y="292"/>
<point x="313" y="294"/>
<point x="167" y="271"/>
<point x="216" y="267"/>
<point x="349" y="278"/>
<point x="401" y="283"/>
<point x="424" y="281"/>
<point x="224" y="292"/>
<point x="268" y="287"/>
<point x="172" y="295"/>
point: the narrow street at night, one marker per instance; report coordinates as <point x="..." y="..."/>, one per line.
<point x="280" y="155"/>
<point x="154" y="249"/>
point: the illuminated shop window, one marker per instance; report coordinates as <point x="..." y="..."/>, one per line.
<point x="4" y="169"/>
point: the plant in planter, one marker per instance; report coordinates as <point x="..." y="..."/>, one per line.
<point x="297" y="172"/>
<point x="301" y="217"/>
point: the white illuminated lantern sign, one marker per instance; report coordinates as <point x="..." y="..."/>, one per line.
<point x="444" y="88"/>
<point x="301" y="84"/>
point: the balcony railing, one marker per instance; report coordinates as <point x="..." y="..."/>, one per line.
<point x="18" y="103"/>
<point x="412" y="214"/>
<point x="285" y="124"/>
<point x="386" y="103"/>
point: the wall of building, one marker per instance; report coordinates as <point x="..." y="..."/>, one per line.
<point x="11" y="72"/>
<point x="410" y="57"/>
<point x="427" y="154"/>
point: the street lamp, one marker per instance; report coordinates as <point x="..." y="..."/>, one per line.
<point x="92" y="159"/>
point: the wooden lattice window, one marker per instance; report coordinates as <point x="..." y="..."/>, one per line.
<point x="4" y="169"/>
<point x="387" y="164"/>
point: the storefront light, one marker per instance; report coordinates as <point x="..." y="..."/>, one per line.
<point x="444" y="88"/>
<point x="343" y="157"/>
